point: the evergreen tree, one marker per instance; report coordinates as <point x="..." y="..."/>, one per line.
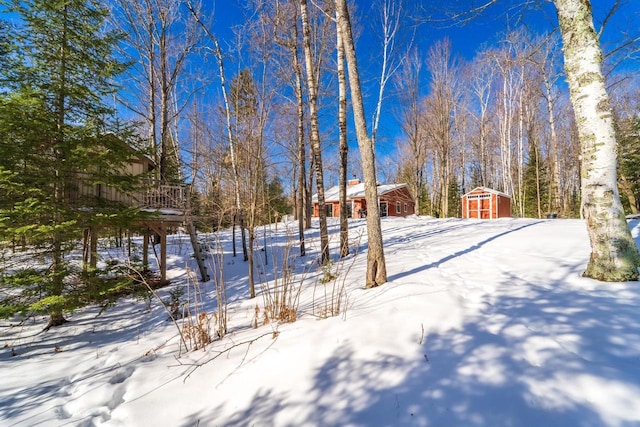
<point x="5" y="47"/>
<point x="276" y="200"/>
<point x="425" y="207"/>
<point x="56" y="145"/>
<point x="454" y="204"/>
<point x="629" y="157"/>
<point x="536" y="185"/>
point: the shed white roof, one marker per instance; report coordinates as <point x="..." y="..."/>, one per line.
<point x="487" y="190"/>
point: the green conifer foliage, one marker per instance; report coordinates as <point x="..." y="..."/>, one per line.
<point x="58" y="144"/>
<point x="536" y="185"/>
<point x="629" y="157"/>
<point x="455" y="201"/>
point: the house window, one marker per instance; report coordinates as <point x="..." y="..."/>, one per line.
<point x="397" y="207"/>
<point x="383" y="209"/>
<point x="406" y="208"/>
<point x="329" y="209"/>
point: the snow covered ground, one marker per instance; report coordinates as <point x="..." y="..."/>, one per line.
<point x="482" y="323"/>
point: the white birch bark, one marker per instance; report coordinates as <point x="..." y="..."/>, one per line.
<point x="232" y="145"/>
<point x="312" y="85"/>
<point x="614" y="255"/>
<point x="302" y="181"/>
<point x="391" y="20"/>
<point x="481" y="87"/>
<point x="344" y="147"/>
<point x="376" y="266"/>
<point x="550" y="74"/>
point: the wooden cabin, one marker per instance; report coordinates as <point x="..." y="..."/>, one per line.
<point x="393" y="199"/>
<point x="486" y="203"/>
<point x="151" y="195"/>
<point x="167" y="205"/>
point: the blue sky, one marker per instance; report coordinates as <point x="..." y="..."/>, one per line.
<point x="483" y="30"/>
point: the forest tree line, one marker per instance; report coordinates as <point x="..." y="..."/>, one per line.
<point x="501" y="119"/>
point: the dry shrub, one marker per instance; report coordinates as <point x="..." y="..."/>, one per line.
<point x="281" y="295"/>
<point x="333" y="281"/>
<point x="198" y="333"/>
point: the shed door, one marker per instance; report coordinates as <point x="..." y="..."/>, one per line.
<point x="479" y="206"/>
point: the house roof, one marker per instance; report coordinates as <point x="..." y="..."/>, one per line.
<point x="125" y="146"/>
<point x="487" y="190"/>
<point x="356" y="191"/>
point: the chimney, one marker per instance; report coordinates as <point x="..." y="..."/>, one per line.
<point x="353" y="181"/>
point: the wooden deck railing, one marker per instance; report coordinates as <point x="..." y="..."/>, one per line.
<point x="151" y="195"/>
<point x="163" y="196"/>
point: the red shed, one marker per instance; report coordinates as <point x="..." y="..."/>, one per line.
<point x="485" y="203"/>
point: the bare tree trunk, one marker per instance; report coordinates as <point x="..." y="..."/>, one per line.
<point x="344" y="147"/>
<point x="164" y="104"/>
<point x="441" y="109"/>
<point x="520" y="164"/>
<point x="251" y="262"/>
<point x="312" y="83"/>
<point x="232" y="148"/>
<point x="408" y="85"/>
<point x="308" y="193"/>
<point x="481" y="85"/>
<point x="302" y="157"/>
<point x="376" y="266"/>
<point x="614" y="254"/>
<point x="554" y="187"/>
<point x="554" y="190"/>
<point x="152" y="81"/>
<point x="57" y="265"/>
<point x="391" y="20"/>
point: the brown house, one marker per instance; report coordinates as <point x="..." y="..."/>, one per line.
<point x="485" y="203"/>
<point x="151" y="195"/>
<point x="166" y="204"/>
<point x="394" y="200"/>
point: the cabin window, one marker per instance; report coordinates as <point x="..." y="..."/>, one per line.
<point x="406" y="208"/>
<point x="383" y="209"/>
<point x="329" y="209"/>
<point x="397" y="207"/>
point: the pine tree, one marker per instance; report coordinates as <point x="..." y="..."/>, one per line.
<point x="454" y="204"/>
<point x="536" y="185"/>
<point x="57" y="138"/>
<point x="629" y="156"/>
<point x="277" y="201"/>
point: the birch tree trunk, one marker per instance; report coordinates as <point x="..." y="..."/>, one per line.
<point x="550" y="75"/>
<point x="238" y="214"/>
<point x="312" y="84"/>
<point x="614" y="255"/>
<point x="376" y="267"/>
<point x="302" y="179"/>
<point x="411" y="122"/>
<point x="344" y="147"/>
<point x="287" y="22"/>
<point x="481" y="81"/>
<point x="391" y="22"/>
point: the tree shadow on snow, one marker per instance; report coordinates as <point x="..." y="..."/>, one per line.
<point x="552" y="355"/>
<point x="459" y="253"/>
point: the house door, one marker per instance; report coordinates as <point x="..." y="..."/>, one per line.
<point x="383" y="209"/>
